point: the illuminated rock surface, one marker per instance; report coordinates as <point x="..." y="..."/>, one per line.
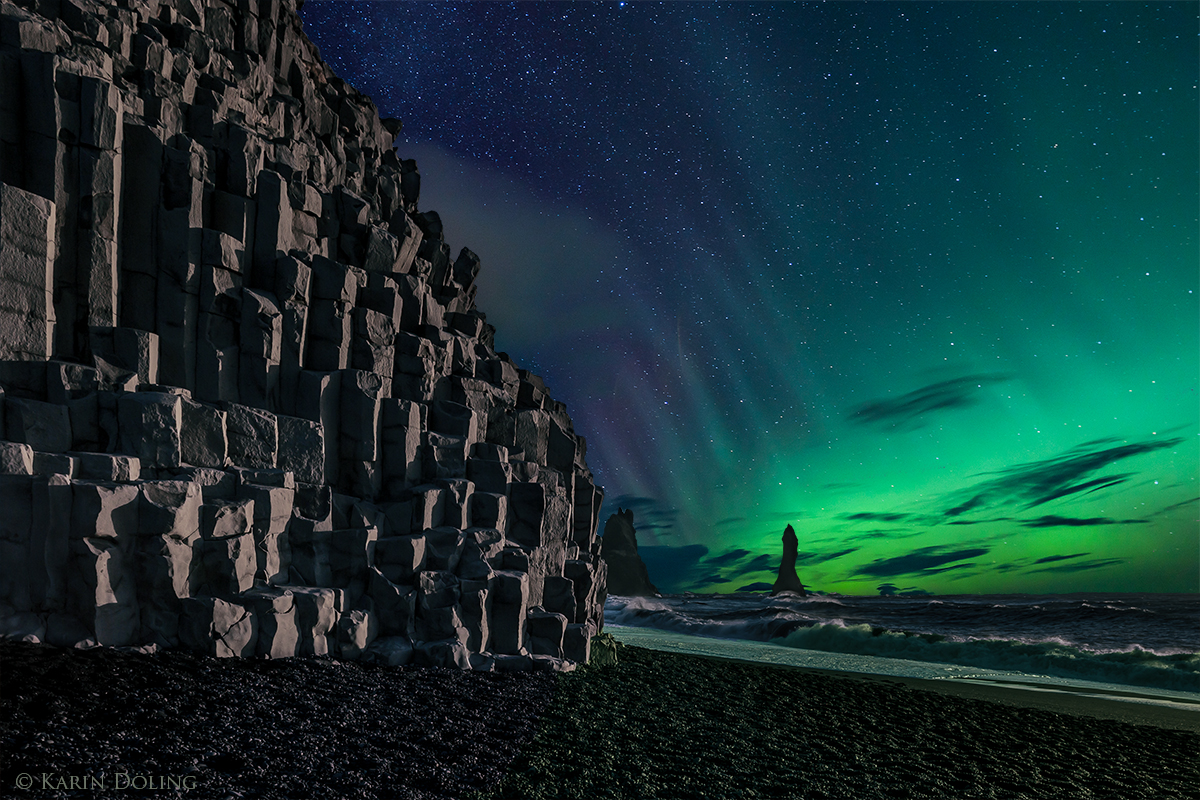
<point x="248" y="403"/>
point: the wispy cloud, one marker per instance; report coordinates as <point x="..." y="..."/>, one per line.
<point x="726" y="558"/>
<point x="1055" y="521"/>
<point x="907" y="410"/>
<point x="1082" y="566"/>
<point x="674" y="569"/>
<point x="650" y="516"/>
<point x="740" y="565"/>
<point x="883" y="533"/>
<point x="808" y="559"/>
<point x="891" y="590"/>
<point x="876" y="516"/>
<point x="923" y="561"/>
<point x="735" y="565"/>
<point x="1035" y="483"/>
<point x="1193" y="503"/>
<point x="760" y="563"/>
<point x="1050" y="559"/>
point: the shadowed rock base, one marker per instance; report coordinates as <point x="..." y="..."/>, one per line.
<point x="627" y="575"/>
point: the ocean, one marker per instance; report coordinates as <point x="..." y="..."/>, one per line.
<point x="1108" y="643"/>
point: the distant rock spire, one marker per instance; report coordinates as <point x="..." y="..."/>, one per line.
<point x="627" y="575"/>
<point x="788" y="580"/>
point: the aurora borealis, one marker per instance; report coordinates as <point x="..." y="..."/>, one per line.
<point x="918" y="279"/>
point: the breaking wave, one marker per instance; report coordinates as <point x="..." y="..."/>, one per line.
<point x="1053" y="636"/>
<point x="1137" y="666"/>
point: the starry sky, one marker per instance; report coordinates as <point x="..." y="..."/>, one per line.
<point x="917" y="279"/>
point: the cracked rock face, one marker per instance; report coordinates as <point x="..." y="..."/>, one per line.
<point x="247" y="403"/>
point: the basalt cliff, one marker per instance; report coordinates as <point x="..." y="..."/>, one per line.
<point x="248" y="405"/>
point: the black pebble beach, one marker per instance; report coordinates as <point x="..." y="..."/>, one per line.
<point x="243" y="728"/>
<point x="654" y="725"/>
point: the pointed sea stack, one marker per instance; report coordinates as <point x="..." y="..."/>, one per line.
<point x="788" y="580"/>
<point x="627" y="575"/>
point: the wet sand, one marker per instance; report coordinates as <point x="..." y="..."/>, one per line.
<point x="655" y="725"/>
<point x="1122" y="706"/>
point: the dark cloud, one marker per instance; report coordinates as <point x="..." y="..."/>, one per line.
<point x="807" y="559"/>
<point x="769" y="563"/>
<point x="726" y="568"/>
<point x="925" y="561"/>
<point x="906" y="411"/>
<point x="877" y="516"/>
<point x="1050" y="559"/>
<point x="673" y="569"/>
<point x="1082" y="566"/>
<point x="1055" y="521"/>
<point x="731" y="521"/>
<point x="882" y="533"/>
<point x="756" y="587"/>
<point x="735" y="565"/>
<point x="975" y="573"/>
<point x="1173" y="506"/>
<point x="650" y="516"/>
<point x="874" y="534"/>
<point x="1039" y="482"/>
<point x="760" y="563"/>
<point x="725" y="558"/>
<point x="891" y="590"/>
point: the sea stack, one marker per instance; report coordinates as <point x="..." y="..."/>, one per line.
<point x="627" y="575"/>
<point x="248" y="406"/>
<point x="788" y="580"/>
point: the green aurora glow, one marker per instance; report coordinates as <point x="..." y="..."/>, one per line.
<point x="919" y="280"/>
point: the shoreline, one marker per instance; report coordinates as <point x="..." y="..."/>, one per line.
<point x="677" y="726"/>
<point x="1132" y="704"/>
<point x="1054" y="698"/>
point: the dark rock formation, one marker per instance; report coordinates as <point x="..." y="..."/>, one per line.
<point x="788" y="580"/>
<point x="627" y="575"/>
<point x="247" y="403"/>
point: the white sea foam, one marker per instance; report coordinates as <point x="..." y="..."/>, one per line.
<point x="1136" y="665"/>
<point x="1143" y="640"/>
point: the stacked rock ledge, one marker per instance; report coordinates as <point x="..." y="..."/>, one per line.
<point x="247" y="404"/>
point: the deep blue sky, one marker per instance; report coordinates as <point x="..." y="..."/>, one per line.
<point x="918" y="279"/>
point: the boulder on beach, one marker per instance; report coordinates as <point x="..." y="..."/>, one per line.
<point x="788" y="580"/>
<point x="627" y="575"/>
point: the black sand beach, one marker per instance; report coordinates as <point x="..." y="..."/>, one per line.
<point x="653" y="726"/>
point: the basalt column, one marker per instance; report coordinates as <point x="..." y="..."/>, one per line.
<point x="247" y="403"/>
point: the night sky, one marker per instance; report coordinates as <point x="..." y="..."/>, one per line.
<point x="918" y="279"/>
